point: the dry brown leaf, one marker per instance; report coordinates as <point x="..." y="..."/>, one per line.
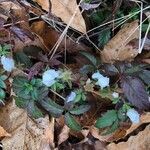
<point x="27" y="134"/>
<point x="63" y="136"/>
<point x="118" y="49"/>
<point x="3" y="133"/>
<point x="138" y="142"/>
<point x="50" y="37"/>
<point x="64" y="9"/>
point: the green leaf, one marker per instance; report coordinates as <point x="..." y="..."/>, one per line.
<point x="104" y="37"/>
<point x="80" y="110"/>
<point x="90" y="57"/>
<point x="19" y="81"/>
<point x="113" y="128"/>
<point x="87" y="69"/>
<point x="107" y="119"/>
<point x="3" y="77"/>
<point x="53" y="108"/>
<point x="2" y="94"/>
<point x="34" y="111"/>
<point x="2" y="84"/>
<point x="21" y="103"/>
<point x="72" y="123"/>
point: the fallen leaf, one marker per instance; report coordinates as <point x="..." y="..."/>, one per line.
<point x="3" y="133"/>
<point x="26" y="133"/>
<point x="64" y="9"/>
<point x="63" y="136"/>
<point x="49" y="36"/>
<point x="138" y="142"/>
<point x="118" y="49"/>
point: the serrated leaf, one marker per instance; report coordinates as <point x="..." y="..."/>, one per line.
<point x="87" y="69"/>
<point x="72" y="123"/>
<point x="104" y="37"/>
<point x="107" y="119"/>
<point x="90" y="57"/>
<point x="80" y="110"/>
<point x="135" y="92"/>
<point x="53" y="108"/>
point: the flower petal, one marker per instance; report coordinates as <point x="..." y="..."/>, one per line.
<point x="71" y="97"/>
<point x="133" y="115"/>
<point x="103" y="82"/>
<point x="8" y="63"/>
<point x="115" y="95"/>
<point x="49" y="77"/>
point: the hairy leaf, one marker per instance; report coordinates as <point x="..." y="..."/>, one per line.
<point x="135" y="92"/>
<point x="72" y="123"/>
<point x="90" y="57"/>
<point x="80" y="110"/>
<point x="107" y="119"/>
<point x="53" y="108"/>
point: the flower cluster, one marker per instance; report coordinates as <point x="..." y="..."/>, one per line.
<point x="102" y="81"/>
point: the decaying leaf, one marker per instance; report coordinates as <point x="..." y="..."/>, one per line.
<point x="3" y="133"/>
<point x="64" y="9"/>
<point x="138" y="142"/>
<point x="26" y="133"/>
<point x="117" y="48"/>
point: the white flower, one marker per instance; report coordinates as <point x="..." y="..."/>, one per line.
<point x="102" y="81"/>
<point x="115" y="95"/>
<point x="133" y="115"/>
<point x="71" y="97"/>
<point x="49" y="77"/>
<point x="8" y="63"/>
<point x="96" y="75"/>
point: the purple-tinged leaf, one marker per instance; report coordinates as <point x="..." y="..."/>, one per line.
<point x="54" y="61"/>
<point x="35" y="69"/>
<point x="134" y="90"/>
<point x="22" y="34"/>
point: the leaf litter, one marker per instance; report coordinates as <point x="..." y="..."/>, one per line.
<point x="55" y="29"/>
